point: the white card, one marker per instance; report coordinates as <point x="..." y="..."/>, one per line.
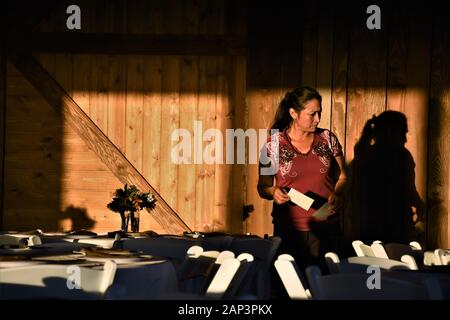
<point x="323" y="212"/>
<point x="300" y="199"/>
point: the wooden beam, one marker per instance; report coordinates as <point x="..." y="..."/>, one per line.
<point x="110" y="43"/>
<point x="55" y="95"/>
<point x="2" y="114"/>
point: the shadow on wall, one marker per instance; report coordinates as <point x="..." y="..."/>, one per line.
<point x="79" y="218"/>
<point x="382" y="200"/>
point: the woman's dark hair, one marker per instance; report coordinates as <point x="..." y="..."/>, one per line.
<point x="296" y="99"/>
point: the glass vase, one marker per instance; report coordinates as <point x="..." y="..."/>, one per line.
<point x="135" y="221"/>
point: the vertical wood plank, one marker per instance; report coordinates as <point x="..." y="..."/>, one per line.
<point x="223" y="171"/>
<point x="172" y="17"/>
<point x="64" y="71"/>
<point x="439" y="133"/>
<point x="205" y="172"/>
<point x="408" y="85"/>
<point x="325" y="62"/>
<point x="152" y="120"/>
<point x="82" y="80"/>
<point x="240" y="111"/>
<point x="2" y="115"/>
<point x="116" y="96"/>
<point x="154" y="22"/>
<point x="134" y="111"/>
<point x="310" y="43"/>
<point x="236" y="24"/>
<point x="98" y="99"/>
<point x="116" y="16"/>
<point x="135" y="20"/>
<point x="170" y="118"/>
<point x="340" y="74"/>
<point x="190" y="16"/>
<point x="339" y="92"/>
<point x="188" y="105"/>
<point x="367" y="76"/>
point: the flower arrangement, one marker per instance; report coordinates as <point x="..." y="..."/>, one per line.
<point x="128" y="202"/>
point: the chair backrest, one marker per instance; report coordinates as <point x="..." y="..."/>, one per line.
<point x="396" y="250"/>
<point x="410" y="261"/>
<point x="356" y="244"/>
<point x="362" y="287"/>
<point x="290" y="276"/>
<point x="360" y="264"/>
<point x="223" y="278"/>
<point x="246" y="262"/>
<point x="56" y="281"/>
<point x="442" y="257"/>
<point x="332" y="260"/>
<point x="379" y="250"/>
<point x="198" y="269"/>
<point x="263" y="250"/>
<point x="415" y="245"/>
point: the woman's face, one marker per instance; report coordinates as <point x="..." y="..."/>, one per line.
<point x="309" y="116"/>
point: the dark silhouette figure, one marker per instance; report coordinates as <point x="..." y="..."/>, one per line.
<point x="382" y="200"/>
<point x="79" y="217"/>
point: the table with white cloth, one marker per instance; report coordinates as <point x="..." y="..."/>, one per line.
<point x="143" y="280"/>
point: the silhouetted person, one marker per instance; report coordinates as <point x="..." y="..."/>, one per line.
<point x="383" y="203"/>
<point x="80" y="218"/>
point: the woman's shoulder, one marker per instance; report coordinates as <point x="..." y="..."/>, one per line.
<point x="331" y="140"/>
<point x="276" y="136"/>
<point x="326" y="134"/>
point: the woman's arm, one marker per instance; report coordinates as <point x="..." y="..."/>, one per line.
<point x="336" y="198"/>
<point x="339" y="188"/>
<point x="268" y="191"/>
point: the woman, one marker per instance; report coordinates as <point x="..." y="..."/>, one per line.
<point x="310" y="160"/>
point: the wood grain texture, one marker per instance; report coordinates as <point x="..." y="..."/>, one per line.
<point x="3" y="76"/>
<point x="366" y="77"/>
<point x="325" y="54"/>
<point x="96" y="140"/>
<point x="408" y="85"/>
<point x="134" y="110"/>
<point x="170" y="121"/>
<point x="439" y="133"/>
<point x="189" y="78"/>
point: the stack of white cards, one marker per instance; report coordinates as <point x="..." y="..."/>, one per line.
<point x="305" y="202"/>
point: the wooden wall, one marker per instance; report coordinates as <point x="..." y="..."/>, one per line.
<point x="361" y="73"/>
<point x="138" y="100"/>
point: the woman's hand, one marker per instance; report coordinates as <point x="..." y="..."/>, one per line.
<point x="336" y="202"/>
<point x="279" y="196"/>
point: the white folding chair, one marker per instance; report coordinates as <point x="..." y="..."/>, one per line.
<point x="396" y="250"/>
<point x="222" y="278"/>
<point x="263" y="250"/>
<point x="290" y="276"/>
<point x="360" y="264"/>
<point x="442" y="257"/>
<point x="362" y="249"/>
